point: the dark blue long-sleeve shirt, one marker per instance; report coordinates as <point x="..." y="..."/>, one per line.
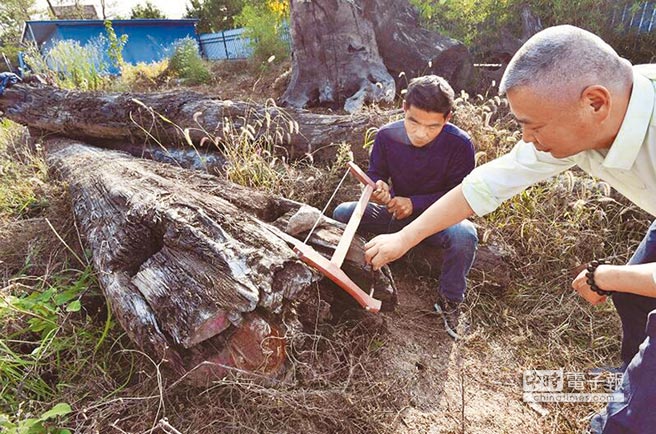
<point x="422" y="174"/>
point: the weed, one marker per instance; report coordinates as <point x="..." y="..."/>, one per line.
<point x="23" y="174"/>
<point x="72" y="65"/>
<point x="115" y="44"/>
<point x="141" y="77"/>
<point x="36" y="425"/>
<point x="187" y="64"/>
<point x="33" y="319"/>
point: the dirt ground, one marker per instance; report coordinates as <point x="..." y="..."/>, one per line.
<point x="452" y="386"/>
<point x="441" y="386"/>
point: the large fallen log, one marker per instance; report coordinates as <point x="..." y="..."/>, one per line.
<point x="146" y="123"/>
<point x="191" y="264"/>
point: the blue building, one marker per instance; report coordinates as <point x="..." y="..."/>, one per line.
<point x="149" y="40"/>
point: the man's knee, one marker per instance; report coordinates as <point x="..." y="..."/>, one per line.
<point x="463" y="236"/>
<point x="344" y="211"/>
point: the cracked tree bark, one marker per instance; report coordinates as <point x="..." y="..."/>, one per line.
<point x="191" y="264"/>
<point x="335" y="57"/>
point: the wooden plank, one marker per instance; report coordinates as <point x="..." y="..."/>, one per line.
<point x="359" y="173"/>
<point x="334" y="273"/>
<point x="351" y="227"/>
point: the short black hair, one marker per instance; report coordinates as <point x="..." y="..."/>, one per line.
<point x="430" y="93"/>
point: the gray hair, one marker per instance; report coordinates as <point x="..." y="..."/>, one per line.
<point x="563" y="60"/>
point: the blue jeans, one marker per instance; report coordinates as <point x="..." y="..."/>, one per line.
<point x="458" y="242"/>
<point x="637" y="413"/>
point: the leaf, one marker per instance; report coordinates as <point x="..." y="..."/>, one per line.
<point x="60" y="409"/>
<point x="66" y="296"/>
<point x="74" y="306"/>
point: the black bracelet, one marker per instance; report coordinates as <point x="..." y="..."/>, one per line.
<point x="592" y="267"/>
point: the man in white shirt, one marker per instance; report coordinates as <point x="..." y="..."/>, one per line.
<point x="579" y="103"/>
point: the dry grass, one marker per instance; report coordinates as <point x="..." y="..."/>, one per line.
<point x="332" y="383"/>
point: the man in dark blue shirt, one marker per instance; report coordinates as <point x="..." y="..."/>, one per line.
<point x="414" y="162"/>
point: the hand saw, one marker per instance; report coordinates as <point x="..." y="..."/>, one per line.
<point x="332" y="268"/>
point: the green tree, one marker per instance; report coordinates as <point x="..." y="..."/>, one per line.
<point x="214" y="15"/>
<point x="146" y="10"/>
<point x="263" y="23"/>
<point x="13" y="13"/>
<point x="481" y="24"/>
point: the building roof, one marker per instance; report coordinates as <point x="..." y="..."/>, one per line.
<point x="85" y="12"/>
<point x="40" y="31"/>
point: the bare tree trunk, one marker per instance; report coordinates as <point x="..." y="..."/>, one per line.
<point x="335" y="57"/>
<point x="409" y="50"/>
<point x="345" y="53"/>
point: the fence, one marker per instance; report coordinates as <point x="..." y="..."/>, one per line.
<point x="641" y="17"/>
<point x="228" y="44"/>
<point x="231" y="44"/>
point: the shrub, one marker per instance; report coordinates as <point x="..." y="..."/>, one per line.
<point x="79" y="67"/>
<point x="116" y="44"/>
<point x="264" y="28"/>
<point x="142" y="76"/>
<point x="71" y="65"/>
<point x="187" y="64"/>
<point x="484" y="24"/>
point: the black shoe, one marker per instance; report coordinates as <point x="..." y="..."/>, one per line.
<point x="455" y="323"/>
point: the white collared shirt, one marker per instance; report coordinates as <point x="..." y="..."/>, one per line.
<point x="629" y="165"/>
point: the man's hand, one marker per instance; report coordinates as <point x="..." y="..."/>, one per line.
<point x="384" y="249"/>
<point x="580" y="284"/>
<point x="400" y="207"/>
<point x="381" y="194"/>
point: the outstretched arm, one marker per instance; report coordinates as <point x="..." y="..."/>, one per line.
<point x="447" y="211"/>
<point x="636" y="279"/>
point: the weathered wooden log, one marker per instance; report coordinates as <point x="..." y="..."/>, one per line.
<point x="146" y="123"/>
<point x="191" y="264"/>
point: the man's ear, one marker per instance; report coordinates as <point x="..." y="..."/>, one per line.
<point x="448" y="117"/>
<point x="405" y="106"/>
<point x="598" y="98"/>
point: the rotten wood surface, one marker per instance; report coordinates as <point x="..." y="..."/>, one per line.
<point x="148" y="124"/>
<point x="190" y="263"/>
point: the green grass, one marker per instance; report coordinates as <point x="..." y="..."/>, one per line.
<point x="44" y="336"/>
<point x="55" y="329"/>
<point x="22" y="173"/>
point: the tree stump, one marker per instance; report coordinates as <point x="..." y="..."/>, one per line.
<point x="335" y="59"/>
<point x="348" y="53"/>
<point x="409" y="51"/>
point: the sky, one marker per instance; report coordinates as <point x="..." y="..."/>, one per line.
<point x="171" y="8"/>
